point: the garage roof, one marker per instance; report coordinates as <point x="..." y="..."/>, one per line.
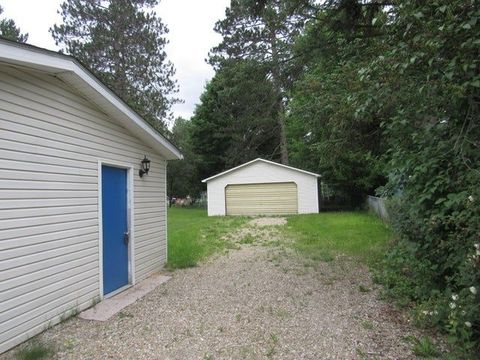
<point x="71" y="71"/>
<point x="257" y="160"/>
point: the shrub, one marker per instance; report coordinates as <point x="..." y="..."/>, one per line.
<point x="434" y="264"/>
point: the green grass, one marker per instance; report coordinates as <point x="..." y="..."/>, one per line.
<point x="357" y="234"/>
<point x="193" y="236"/>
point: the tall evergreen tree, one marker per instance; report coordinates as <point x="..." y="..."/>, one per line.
<point x="10" y="31"/>
<point x="182" y="175"/>
<point x="234" y="121"/>
<point x="123" y="43"/>
<point x="264" y="31"/>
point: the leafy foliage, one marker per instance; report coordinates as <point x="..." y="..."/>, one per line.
<point x="182" y="175"/>
<point x="235" y="121"/>
<point x="434" y="159"/>
<point x="128" y="55"/>
<point x="10" y="31"/>
<point x="263" y="31"/>
<point x="333" y="123"/>
<point x="390" y="96"/>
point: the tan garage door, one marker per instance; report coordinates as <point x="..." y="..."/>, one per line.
<point x="261" y="199"/>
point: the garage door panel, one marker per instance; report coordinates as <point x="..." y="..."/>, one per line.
<point x="261" y="199"/>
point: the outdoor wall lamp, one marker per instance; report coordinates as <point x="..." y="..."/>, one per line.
<point x="145" y="167"/>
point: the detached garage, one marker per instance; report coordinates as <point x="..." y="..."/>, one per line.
<point x="82" y="192"/>
<point x="262" y="187"/>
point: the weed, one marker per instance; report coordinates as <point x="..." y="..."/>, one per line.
<point x="35" y="351"/>
<point x="367" y="325"/>
<point x="272" y="346"/>
<point x="271" y="351"/>
<point x="282" y="313"/>
<point x="423" y="347"/>
<point x="69" y="344"/>
<point x="95" y="300"/>
<point x="363" y="288"/>
<point x="124" y="315"/>
<point x="73" y="311"/>
<point x="361" y="354"/>
<point x="247" y="239"/>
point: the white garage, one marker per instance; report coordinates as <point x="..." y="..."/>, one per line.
<point x="262" y="187"/>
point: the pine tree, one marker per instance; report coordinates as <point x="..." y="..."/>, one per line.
<point x="263" y="31"/>
<point x="235" y="122"/>
<point x="122" y="42"/>
<point x="10" y="31"/>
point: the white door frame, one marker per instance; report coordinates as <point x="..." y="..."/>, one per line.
<point x="130" y="224"/>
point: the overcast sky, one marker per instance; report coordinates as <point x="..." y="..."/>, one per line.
<point x="191" y="36"/>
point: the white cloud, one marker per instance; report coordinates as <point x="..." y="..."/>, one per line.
<point x="191" y="36"/>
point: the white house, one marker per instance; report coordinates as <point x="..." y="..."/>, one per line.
<point x="77" y="221"/>
<point x="262" y="187"/>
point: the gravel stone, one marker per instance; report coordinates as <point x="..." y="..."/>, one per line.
<point x="268" y="221"/>
<point x="257" y="302"/>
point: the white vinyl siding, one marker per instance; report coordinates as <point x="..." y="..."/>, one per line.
<point x="263" y="172"/>
<point x="51" y="140"/>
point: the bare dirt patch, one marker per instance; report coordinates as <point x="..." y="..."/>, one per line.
<point x="257" y="302"/>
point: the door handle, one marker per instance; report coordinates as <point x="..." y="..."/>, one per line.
<point x="126" y="237"/>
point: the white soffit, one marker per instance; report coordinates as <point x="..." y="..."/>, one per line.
<point x="69" y="70"/>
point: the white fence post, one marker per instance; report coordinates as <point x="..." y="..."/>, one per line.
<point x="377" y="205"/>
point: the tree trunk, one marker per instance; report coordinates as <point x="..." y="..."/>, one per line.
<point x="279" y="105"/>
<point x="283" y="134"/>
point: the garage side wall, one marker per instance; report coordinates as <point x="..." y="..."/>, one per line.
<point x="51" y="140"/>
<point x="261" y="172"/>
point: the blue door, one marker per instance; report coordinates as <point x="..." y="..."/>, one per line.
<point x="115" y="228"/>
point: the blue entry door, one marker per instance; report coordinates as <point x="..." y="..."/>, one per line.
<point x="115" y="228"/>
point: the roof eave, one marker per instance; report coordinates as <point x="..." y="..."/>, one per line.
<point x="256" y="160"/>
<point x="71" y="71"/>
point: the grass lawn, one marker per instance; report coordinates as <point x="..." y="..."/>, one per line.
<point x="358" y="234"/>
<point x="193" y="236"/>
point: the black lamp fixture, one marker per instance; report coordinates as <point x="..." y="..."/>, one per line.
<point x="145" y="167"/>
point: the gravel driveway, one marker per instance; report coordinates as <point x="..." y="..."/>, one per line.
<point x="260" y="301"/>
